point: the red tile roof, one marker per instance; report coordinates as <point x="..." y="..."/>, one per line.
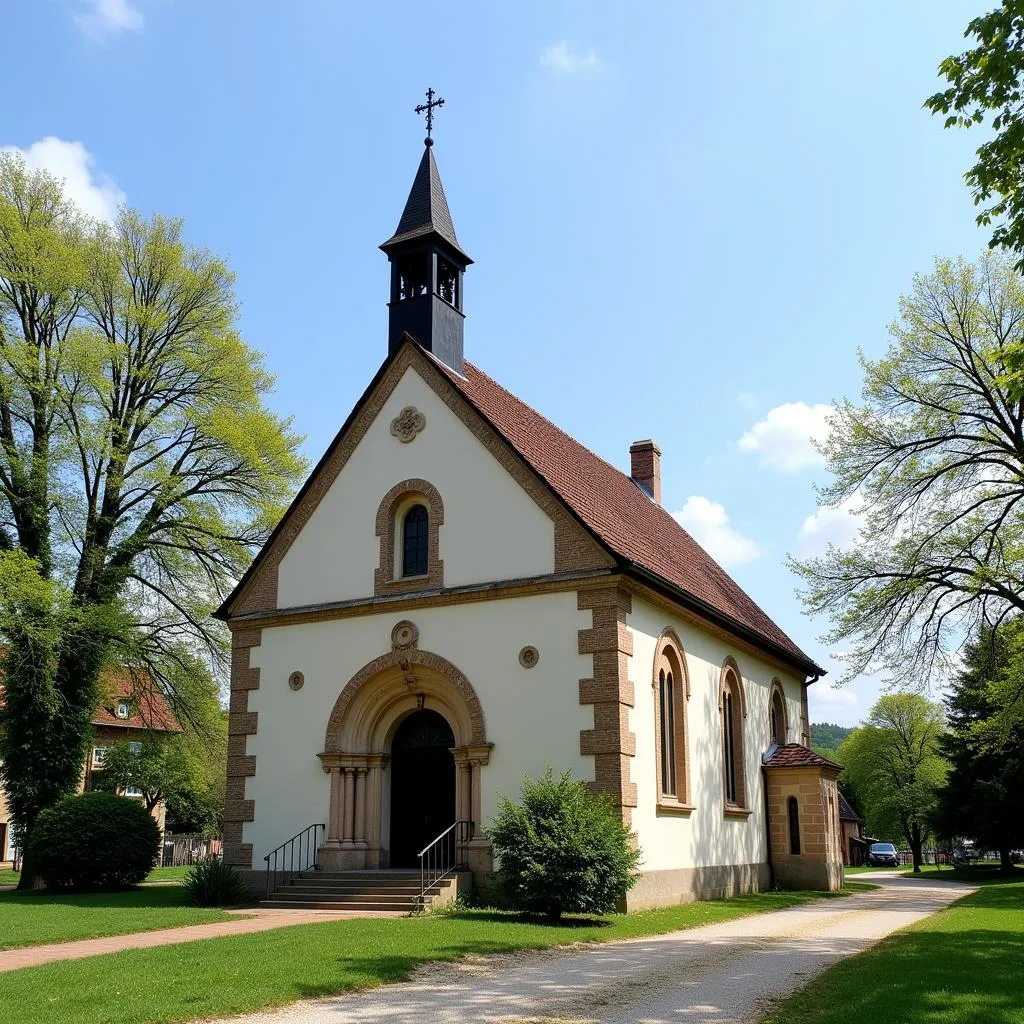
<point x="796" y="755"/>
<point x="612" y="506"/>
<point x="147" y="706"/>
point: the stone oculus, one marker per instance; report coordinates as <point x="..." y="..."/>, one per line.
<point x="408" y="586"/>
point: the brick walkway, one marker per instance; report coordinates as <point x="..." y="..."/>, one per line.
<point x="255" y="921"/>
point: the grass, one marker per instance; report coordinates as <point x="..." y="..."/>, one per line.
<point x="864" y="868"/>
<point x="238" y="974"/>
<point x="33" y="918"/>
<point x="156" y="875"/>
<point x="960" y="966"/>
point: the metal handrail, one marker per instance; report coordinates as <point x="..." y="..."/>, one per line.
<point x="442" y="856"/>
<point x="293" y="857"/>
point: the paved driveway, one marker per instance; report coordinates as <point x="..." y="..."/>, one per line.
<point x="724" y="973"/>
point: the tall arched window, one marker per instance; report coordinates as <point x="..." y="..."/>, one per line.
<point x="671" y="690"/>
<point x="794" y="824"/>
<point x="415" y="541"/>
<point x="778" y="726"/>
<point x="667" y="709"/>
<point x="733" y="710"/>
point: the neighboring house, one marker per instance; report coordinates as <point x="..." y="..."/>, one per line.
<point x="461" y="593"/>
<point x="131" y="709"/>
<point x="854" y="845"/>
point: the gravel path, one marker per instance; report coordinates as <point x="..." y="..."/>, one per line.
<point x="725" y="973"/>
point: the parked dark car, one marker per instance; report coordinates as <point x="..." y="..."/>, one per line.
<point x="883" y="855"/>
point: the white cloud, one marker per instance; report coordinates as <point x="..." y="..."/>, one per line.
<point x="96" y="195"/>
<point x="103" y="18"/>
<point x="783" y="438"/>
<point x="708" y="522"/>
<point x="837" y="525"/>
<point x="831" y="704"/>
<point x="563" y="59"/>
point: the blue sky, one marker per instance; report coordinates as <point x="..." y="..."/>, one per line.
<point x="694" y="213"/>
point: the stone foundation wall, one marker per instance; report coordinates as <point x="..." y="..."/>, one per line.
<point x="670" y="887"/>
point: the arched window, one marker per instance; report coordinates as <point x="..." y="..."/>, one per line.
<point x="733" y="709"/>
<point x="409" y="519"/>
<point x="666" y="707"/>
<point x="671" y="690"/>
<point x="778" y="725"/>
<point x="415" y="541"/>
<point x="794" y="825"/>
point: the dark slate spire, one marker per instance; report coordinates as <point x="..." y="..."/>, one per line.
<point x="427" y="265"/>
<point x="426" y="210"/>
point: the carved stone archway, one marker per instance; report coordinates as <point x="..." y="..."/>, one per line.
<point x="358" y="741"/>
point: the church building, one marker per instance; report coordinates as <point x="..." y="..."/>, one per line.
<point x="462" y="594"/>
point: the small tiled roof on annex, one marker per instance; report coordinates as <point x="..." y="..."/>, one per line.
<point x="846" y="812"/>
<point x="796" y="755"/>
<point x="612" y="506"/>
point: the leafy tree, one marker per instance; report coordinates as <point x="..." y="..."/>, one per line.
<point x="826" y="736"/>
<point x="563" y="849"/>
<point x="985" y="85"/>
<point x="935" y="455"/>
<point x="983" y="798"/>
<point x="161" y="769"/>
<point x="894" y="763"/>
<point x="139" y="467"/>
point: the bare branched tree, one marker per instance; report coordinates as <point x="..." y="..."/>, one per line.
<point x="935" y="451"/>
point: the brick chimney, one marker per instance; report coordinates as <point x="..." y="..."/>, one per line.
<point x="645" y="468"/>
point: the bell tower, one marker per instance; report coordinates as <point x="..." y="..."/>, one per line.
<point x="427" y="263"/>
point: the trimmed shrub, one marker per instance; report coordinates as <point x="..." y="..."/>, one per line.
<point x="212" y="883"/>
<point x="94" y="841"/>
<point x="562" y="850"/>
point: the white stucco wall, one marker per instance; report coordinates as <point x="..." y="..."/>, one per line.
<point x="706" y="837"/>
<point x="492" y="529"/>
<point x="533" y="716"/>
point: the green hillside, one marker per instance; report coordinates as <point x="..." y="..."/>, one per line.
<point x="825" y="736"/>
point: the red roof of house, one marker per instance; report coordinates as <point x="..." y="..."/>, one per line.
<point x="147" y="706"/>
<point x="614" y="508"/>
<point x="796" y="755"/>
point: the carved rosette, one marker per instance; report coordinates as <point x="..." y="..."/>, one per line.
<point x="405" y="636"/>
<point x="408" y="423"/>
<point x="529" y="656"/>
<point x="295" y="681"/>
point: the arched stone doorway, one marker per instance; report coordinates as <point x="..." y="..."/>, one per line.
<point x="368" y="716"/>
<point x="422" y="790"/>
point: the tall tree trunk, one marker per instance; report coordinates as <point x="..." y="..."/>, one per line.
<point x="1005" y="861"/>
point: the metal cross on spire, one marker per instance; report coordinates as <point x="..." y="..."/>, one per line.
<point x="428" y="109"/>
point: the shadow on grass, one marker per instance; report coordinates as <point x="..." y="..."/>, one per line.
<point x="521" y="917"/>
<point x="963" y="965"/>
<point x="147" y="896"/>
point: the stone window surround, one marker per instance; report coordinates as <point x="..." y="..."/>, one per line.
<point x="732" y="682"/>
<point x="390" y="512"/>
<point x="669" y="656"/>
<point x="777" y="691"/>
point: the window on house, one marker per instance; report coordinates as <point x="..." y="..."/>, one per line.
<point x="794" y="825"/>
<point x="135" y="747"/>
<point x="667" y="708"/>
<point x="730" y="749"/>
<point x="777" y="717"/>
<point x="415" y="541"/>
<point x="98" y="755"/>
<point x="731" y="704"/>
<point x="132" y="791"/>
<point x="122" y="709"/>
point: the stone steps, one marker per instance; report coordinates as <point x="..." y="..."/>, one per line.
<point x="383" y="892"/>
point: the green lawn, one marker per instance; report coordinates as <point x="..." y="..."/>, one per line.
<point x="863" y="868"/>
<point x="9" y="877"/>
<point x="237" y="974"/>
<point x="32" y="918"/>
<point x="963" y="965"/>
<point x="156" y="875"/>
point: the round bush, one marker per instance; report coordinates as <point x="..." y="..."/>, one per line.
<point x="95" y="841"/>
<point x="563" y="849"/>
